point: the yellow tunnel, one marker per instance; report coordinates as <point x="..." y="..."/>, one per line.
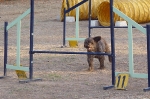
<point x="83" y="9"/>
<point x="137" y="10"/>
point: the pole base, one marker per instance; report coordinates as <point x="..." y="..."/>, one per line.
<point x="146" y="89"/>
<point x="108" y="87"/>
<point x="1" y="77"/>
<point x="29" y="80"/>
<point x="63" y="46"/>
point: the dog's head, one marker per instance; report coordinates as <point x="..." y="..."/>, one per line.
<point x="91" y="43"/>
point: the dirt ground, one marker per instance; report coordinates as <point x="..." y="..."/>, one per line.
<point x="65" y="76"/>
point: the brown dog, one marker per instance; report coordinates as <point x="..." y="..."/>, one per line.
<point x="96" y="44"/>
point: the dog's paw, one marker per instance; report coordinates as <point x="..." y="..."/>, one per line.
<point x="102" y="68"/>
<point x="90" y="69"/>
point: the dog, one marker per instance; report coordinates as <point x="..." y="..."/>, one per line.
<point x="96" y="44"/>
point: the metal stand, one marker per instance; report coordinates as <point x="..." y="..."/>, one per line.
<point x="148" y="56"/>
<point x="29" y="80"/>
<point x="112" y="47"/>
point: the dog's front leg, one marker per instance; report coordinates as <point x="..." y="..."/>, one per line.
<point x="90" y="62"/>
<point x="101" y="60"/>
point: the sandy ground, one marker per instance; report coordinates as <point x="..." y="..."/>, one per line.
<point x="65" y="76"/>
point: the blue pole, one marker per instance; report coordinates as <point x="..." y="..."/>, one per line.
<point x="89" y="18"/>
<point x="148" y="53"/>
<point x="64" y="29"/>
<point x="112" y="46"/>
<point x="5" y="46"/>
<point x="78" y="4"/>
<point x="148" y="56"/>
<point x="31" y="40"/>
<point x="112" y="41"/>
<point x="31" y="45"/>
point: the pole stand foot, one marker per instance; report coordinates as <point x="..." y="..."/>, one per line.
<point x="108" y="87"/>
<point x="146" y="89"/>
<point x="29" y="80"/>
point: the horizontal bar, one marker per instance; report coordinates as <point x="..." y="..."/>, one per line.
<point x="73" y="7"/>
<point x="17" y="67"/>
<point x="140" y="75"/>
<point x="114" y="27"/>
<point x="116" y="73"/>
<point x="77" y="39"/>
<point x="61" y="52"/>
<point x="134" y="75"/>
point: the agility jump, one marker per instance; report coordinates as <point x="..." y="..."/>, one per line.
<point x="32" y="52"/>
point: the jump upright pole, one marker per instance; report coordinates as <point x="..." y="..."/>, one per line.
<point x="112" y="41"/>
<point x="148" y="56"/>
<point x="5" y="47"/>
<point x="89" y="18"/>
<point x="31" y="39"/>
<point x="112" y="46"/>
<point x="31" y="45"/>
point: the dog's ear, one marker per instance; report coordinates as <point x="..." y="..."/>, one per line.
<point x="97" y="38"/>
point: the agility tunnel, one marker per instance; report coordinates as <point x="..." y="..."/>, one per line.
<point x="137" y="10"/>
<point x="83" y="9"/>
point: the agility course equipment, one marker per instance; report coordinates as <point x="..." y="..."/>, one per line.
<point x="17" y="22"/>
<point x="77" y="23"/>
<point x="112" y="42"/>
<point x="130" y="40"/>
<point x="83" y="9"/>
<point x="137" y="10"/>
<point x="130" y="24"/>
<point x="122" y="81"/>
<point x="20" y="70"/>
<point x="32" y="52"/>
<point x="76" y="38"/>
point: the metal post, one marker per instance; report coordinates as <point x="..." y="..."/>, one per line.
<point x="64" y="29"/>
<point x="148" y="56"/>
<point x="89" y="18"/>
<point x="112" y="45"/>
<point x="5" y="46"/>
<point x="112" y="42"/>
<point x="31" y="39"/>
<point x="31" y="46"/>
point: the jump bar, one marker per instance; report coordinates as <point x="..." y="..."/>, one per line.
<point x="62" y="52"/>
<point x="114" y="27"/>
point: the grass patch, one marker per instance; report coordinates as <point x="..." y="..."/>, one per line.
<point x="54" y="76"/>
